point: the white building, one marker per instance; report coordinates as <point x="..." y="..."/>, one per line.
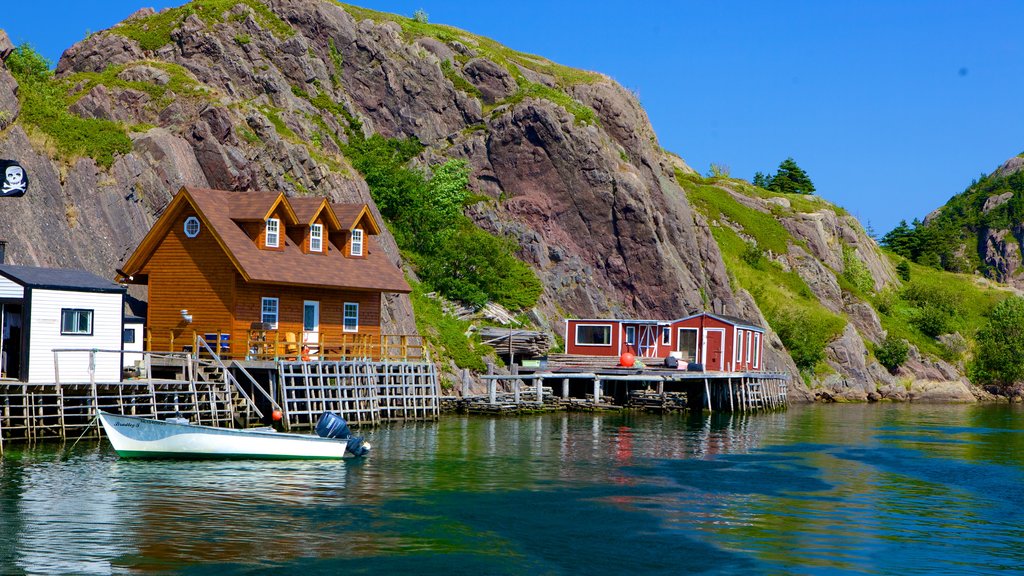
<point x="47" y="309"/>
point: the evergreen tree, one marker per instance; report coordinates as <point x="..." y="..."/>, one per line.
<point x="1000" y="345"/>
<point x="791" y="179"/>
<point x="901" y="240"/>
<point x="760" y="180"/>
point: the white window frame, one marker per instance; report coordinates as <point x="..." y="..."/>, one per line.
<point x="346" y="316"/>
<point x="265" y="311"/>
<point x="356" y="244"/>
<point x="666" y="335"/>
<point x="737" y="345"/>
<point x="315" y="305"/>
<point x="76" y="314"/>
<point x="273" y="230"/>
<point x="757" y="349"/>
<point x="606" y="326"/>
<point x="631" y="335"/>
<point x="750" y="339"/>
<point x="696" y="341"/>
<point x="316" y="232"/>
<point x="188" y="223"/>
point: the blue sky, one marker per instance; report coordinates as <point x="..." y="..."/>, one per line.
<point x="890" y="106"/>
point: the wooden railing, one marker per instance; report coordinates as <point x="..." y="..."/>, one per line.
<point x="272" y="345"/>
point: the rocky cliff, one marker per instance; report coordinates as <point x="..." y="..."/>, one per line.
<point x="258" y="96"/>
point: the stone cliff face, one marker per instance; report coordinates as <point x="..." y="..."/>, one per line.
<point x="258" y="97"/>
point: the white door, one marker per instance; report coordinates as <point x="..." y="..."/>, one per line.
<point x="311" y="325"/>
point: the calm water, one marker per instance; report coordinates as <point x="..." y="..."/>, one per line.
<point x="816" y="490"/>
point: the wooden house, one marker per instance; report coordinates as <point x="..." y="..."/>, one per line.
<point x="47" y="309"/>
<point x="244" y="269"/>
<point x="718" y="342"/>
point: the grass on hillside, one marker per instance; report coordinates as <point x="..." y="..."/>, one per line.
<point x="44" y="109"/>
<point x="153" y="32"/>
<point x="181" y="83"/>
<point x="716" y="203"/>
<point x="956" y="302"/>
<point x="446" y="332"/>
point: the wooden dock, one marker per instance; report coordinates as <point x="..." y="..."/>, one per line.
<point x="211" y="391"/>
<point x="614" y="388"/>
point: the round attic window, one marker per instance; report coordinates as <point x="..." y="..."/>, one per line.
<point x="192" y="227"/>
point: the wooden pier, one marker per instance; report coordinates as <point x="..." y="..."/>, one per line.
<point x="226" y="393"/>
<point x="614" y="388"/>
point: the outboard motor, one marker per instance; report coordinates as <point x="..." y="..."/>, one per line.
<point x="331" y="425"/>
<point x="357" y="447"/>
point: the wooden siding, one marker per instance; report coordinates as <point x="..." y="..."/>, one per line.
<point x="248" y="309"/>
<point x="11" y="289"/>
<point x="191" y="274"/>
<point x="612" y="349"/>
<point x="45" y="336"/>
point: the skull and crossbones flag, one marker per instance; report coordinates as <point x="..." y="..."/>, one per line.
<point x="15" y="180"/>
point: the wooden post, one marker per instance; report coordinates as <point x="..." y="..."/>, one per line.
<point x="729" y="381"/>
<point x="465" y="380"/>
<point x="597" y="390"/>
<point x="565" y="388"/>
<point x="516" y="384"/>
<point x="492" y="390"/>
<point x="707" y="393"/>
<point x="539" y="384"/>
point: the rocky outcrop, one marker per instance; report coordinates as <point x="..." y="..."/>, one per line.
<point x="1001" y="253"/>
<point x="9" y="105"/>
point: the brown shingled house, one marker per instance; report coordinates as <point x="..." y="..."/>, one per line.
<point x="264" y="274"/>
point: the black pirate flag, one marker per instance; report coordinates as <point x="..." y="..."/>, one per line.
<point x="15" y="180"/>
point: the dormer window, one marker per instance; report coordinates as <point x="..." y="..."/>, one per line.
<point x="316" y="238"/>
<point x="357" y="243"/>
<point x="273" y="239"/>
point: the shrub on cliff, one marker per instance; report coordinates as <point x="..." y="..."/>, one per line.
<point x="1000" y="345"/>
<point x="790" y="179"/>
<point x="892" y="352"/>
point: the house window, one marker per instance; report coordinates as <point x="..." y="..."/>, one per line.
<point x="666" y="335"/>
<point x="357" y="242"/>
<point x="687" y="344"/>
<point x="351" y="317"/>
<point x="750" y="338"/>
<point x="739" y="347"/>
<point x="128" y="336"/>
<point x="191" y="226"/>
<point x="631" y="335"/>
<point x="316" y="238"/>
<point x="273" y="233"/>
<point x="757" y="350"/>
<point x="593" y="334"/>
<point x="75" y="322"/>
<point x="269" y="314"/>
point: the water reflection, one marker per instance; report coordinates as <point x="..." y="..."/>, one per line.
<point x="868" y="489"/>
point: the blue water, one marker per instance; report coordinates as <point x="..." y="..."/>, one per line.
<point x="877" y="489"/>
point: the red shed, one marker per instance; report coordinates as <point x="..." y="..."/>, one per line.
<point x="719" y="342"/>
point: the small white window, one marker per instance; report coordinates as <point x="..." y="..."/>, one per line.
<point x="191" y="226"/>
<point x="273" y="232"/>
<point x="739" y="346"/>
<point x="631" y="335"/>
<point x="269" y="315"/>
<point x="351" y="317"/>
<point x="357" y="242"/>
<point x="757" y="350"/>
<point x="75" y="322"/>
<point x="316" y="238"/>
<point x="750" y="338"/>
<point x="666" y="335"/>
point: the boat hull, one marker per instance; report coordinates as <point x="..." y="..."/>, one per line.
<point x="134" y="437"/>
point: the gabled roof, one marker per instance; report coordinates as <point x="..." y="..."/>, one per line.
<point x="734" y="320"/>
<point x="58" y="279"/>
<point x="309" y="209"/>
<point x="351" y="214"/>
<point x="221" y="211"/>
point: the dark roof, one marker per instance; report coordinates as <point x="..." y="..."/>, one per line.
<point x="734" y="320"/>
<point x="58" y="278"/>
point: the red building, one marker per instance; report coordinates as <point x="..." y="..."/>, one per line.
<point x="719" y="342"/>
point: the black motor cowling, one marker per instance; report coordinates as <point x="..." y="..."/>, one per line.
<point x="331" y="425"/>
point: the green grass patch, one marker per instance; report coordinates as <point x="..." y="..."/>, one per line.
<point x="153" y="32"/>
<point x="458" y="81"/>
<point x="44" y="108"/>
<point x="274" y="115"/>
<point x="936" y="301"/>
<point x="804" y="325"/>
<point x="716" y="204"/>
<point x="446" y="333"/>
<point x="180" y="83"/>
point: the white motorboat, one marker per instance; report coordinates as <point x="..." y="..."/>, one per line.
<point x="135" y="437"/>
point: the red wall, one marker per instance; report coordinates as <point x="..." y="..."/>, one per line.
<point x="611" y="349"/>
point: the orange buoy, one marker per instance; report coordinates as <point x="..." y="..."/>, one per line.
<point x="276" y="415"/>
<point x="627" y="359"/>
<point x="305" y="353"/>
